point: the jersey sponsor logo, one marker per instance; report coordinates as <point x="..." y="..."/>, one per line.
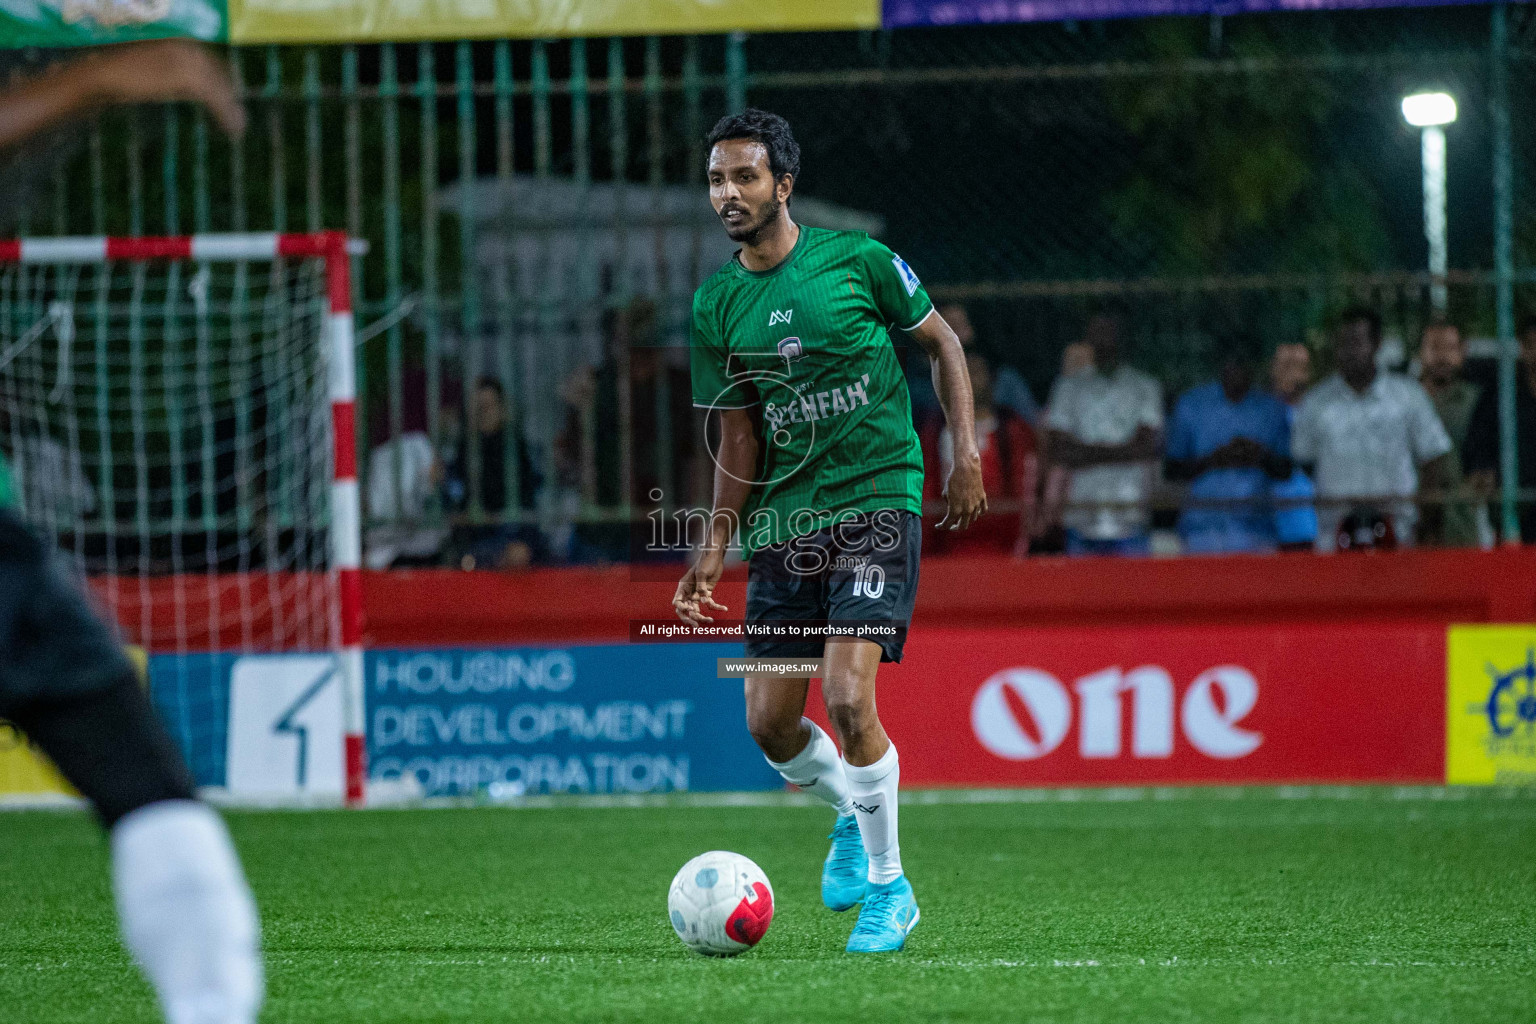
<point x="908" y="278"/>
<point x="821" y="405"/>
<point x="780" y="316"/>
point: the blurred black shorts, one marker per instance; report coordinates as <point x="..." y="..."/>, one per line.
<point x="66" y="683"/>
<point x="52" y="644"/>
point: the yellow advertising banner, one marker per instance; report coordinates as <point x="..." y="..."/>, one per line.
<point x="26" y="772"/>
<point x="23" y="771"/>
<point x="329" y="21"/>
<point x="1491" y="705"/>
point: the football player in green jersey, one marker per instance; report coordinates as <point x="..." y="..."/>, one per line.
<point x="819" y="472"/>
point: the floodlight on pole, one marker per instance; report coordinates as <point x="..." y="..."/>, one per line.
<point x="1430" y="112"/>
<point x="1429" y="109"/>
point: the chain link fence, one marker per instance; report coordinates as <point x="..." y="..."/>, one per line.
<point x="536" y="216"/>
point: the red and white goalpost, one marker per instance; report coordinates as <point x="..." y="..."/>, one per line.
<point x="179" y="418"/>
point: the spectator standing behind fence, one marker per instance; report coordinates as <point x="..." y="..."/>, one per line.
<point x="404" y="522"/>
<point x="1105" y="425"/>
<point x="663" y="457"/>
<point x="1009" y="472"/>
<point x="1483" y="452"/>
<point x="1046" y="531"/>
<point x="1290" y="374"/>
<point x="1231" y="441"/>
<point x="1371" y="437"/>
<point x="495" y="545"/>
<point x="1442" y="354"/>
<point x="400" y="530"/>
<point x="1009" y="390"/>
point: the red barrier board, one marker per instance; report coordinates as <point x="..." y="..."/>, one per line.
<point x="452" y="608"/>
<point x="1350" y="702"/>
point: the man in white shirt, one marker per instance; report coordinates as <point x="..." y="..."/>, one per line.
<point x="1105" y="424"/>
<point x="1372" y="437"/>
<point x="401" y="520"/>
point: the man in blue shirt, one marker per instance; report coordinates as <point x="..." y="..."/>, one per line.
<point x="1290" y="375"/>
<point x="1231" y="441"/>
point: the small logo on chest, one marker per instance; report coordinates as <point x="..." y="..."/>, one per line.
<point x="780" y="316"/>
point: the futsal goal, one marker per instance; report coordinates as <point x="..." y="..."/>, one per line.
<point x="177" y="418"/>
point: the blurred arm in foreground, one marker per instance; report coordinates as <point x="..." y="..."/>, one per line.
<point x="160" y="72"/>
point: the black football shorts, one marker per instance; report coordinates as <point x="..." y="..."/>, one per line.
<point x="858" y="575"/>
<point x="51" y="642"/>
<point x="66" y="683"/>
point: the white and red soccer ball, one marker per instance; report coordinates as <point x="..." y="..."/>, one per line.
<point x="720" y="904"/>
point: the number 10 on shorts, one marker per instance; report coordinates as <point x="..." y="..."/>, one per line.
<point x="869" y="580"/>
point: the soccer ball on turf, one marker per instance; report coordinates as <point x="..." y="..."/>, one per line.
<point x="720" y="904"/>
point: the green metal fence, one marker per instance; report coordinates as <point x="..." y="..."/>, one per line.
<point x="518" y="197"/>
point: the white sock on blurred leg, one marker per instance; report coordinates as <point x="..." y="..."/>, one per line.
<point x="874" y="788"/>
<point x="187" y="913"/>
<point x="818" y="770"/>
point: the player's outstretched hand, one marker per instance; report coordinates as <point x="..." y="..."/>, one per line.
<point x="695" y="591"/>
<point x="966" y="496"/>
<point x="168" y="71"/>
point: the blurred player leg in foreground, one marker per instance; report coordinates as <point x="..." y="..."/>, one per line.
<point x="186" y="911"/>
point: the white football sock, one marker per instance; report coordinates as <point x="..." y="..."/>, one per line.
<point x="818" y="770"/>
<point x="874" y="799"/>
<point x="187" y="913"/>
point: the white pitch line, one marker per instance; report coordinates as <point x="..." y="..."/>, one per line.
<point x="929" y="797"/>
<point x="1178" y="962"/>
<point x="40" y="802"/>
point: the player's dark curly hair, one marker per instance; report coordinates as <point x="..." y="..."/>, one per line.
<point x="769" y="129"/>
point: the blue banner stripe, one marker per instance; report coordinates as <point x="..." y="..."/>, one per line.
<point x="912" y="13"/>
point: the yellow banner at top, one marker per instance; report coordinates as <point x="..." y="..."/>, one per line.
<point x="329" y="21"/>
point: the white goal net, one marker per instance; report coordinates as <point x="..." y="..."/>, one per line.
<point x="169" y="415"/>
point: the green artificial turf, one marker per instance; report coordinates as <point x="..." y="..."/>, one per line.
<point x="1220" y="905"/>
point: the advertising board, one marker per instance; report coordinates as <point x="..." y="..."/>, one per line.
<point x="1351" y="702"/>
<point x="1490" y="706"/>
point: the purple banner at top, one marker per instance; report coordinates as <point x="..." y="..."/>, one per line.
<point x="906" y="13"/>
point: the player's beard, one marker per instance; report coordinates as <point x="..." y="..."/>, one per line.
<point x="748" y="232"/>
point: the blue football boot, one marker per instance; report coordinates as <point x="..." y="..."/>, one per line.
<point x="845" y="874"/>
<point x="889" y="915"/>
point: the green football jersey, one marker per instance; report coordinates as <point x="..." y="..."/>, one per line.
<point x="807" y="345"/>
